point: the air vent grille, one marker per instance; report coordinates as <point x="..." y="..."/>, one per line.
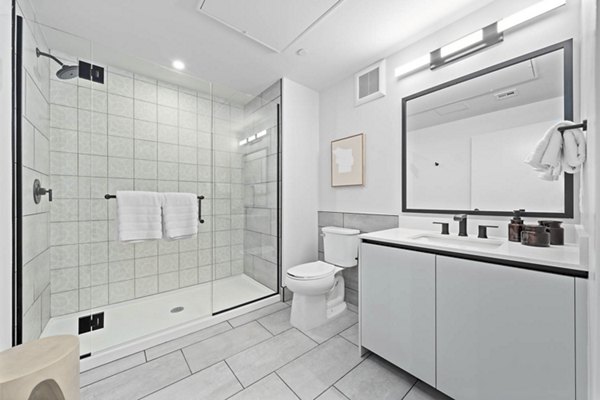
<point x="370" y="83"/>
<point x="506" y="94"/>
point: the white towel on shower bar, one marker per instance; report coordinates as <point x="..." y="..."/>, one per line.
<point x="547" y="154"/>
<point x="138" y="216"/>
<point x="574" y="149"/>
<point x="180" y="215"/>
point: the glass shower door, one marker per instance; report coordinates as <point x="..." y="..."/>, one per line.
<point x="55" y="217"/>
<point x="246" y="197"/>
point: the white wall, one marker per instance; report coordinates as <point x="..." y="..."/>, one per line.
<point x="5" y="176"/>
<point x="300" y="129"/>
<point x="380" y="120"/>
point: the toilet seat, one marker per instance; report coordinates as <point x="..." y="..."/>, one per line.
<point x="310" y="271"/>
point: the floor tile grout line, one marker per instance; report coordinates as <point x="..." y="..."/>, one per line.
<point x="278" y="368"/>
<point x="186" y="362"/>
<point x="346" y="339"/>
<point x="187" y="345"/>
<point x="410" y="390"/>
<point x="111" y="375"/>
<point x="256" y="319"/>
<point x="285" y="383"/>
<point x="169" y="353"/>
<point x="166" y="386"/>
<point x="349" y="371"/>
<point x="236" y="377"/>
<point x="308" y="351"/>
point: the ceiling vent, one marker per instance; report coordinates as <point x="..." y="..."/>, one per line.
<point x="506" y="94"/>
<point x="370" y="83"/>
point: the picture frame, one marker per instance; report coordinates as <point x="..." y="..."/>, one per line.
<point x="348" y="161"/>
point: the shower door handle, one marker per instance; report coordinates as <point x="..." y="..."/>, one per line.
<point x="200" y="198"/>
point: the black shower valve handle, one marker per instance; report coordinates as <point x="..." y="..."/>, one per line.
<point x="39" y="191"/>
<point x="43" y="191"/>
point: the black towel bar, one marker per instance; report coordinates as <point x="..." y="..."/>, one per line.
<point x="200" y="198"/>
<point x="583" y="126"/>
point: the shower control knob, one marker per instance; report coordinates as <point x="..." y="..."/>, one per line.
<point x="39" y="191"/>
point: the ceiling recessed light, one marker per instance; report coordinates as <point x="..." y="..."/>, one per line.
<point x="178" y="64"/>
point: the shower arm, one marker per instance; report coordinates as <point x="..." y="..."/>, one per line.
<point x="38" y="53"/>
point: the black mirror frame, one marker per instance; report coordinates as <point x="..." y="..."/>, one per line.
<point x="567" y="47"/>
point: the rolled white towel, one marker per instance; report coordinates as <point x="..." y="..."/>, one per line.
<point x="574" y="149"/>
<point x="547" y="154"/>
<point x="180" y="215"/>
<point x="138" y="216"/>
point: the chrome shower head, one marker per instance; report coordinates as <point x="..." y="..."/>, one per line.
<point x="65" y="71"/>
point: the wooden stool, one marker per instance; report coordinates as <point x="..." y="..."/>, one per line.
<point x="41" y="369"/>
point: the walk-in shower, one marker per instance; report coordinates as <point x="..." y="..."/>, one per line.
<point x="142" y="127"/>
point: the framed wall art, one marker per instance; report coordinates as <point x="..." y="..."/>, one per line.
<point x="348" y="161"/>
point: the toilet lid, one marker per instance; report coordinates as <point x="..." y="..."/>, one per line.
<point x="313" y="270"/>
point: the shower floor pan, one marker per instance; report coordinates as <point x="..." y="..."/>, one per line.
<point x="133" y="319"/>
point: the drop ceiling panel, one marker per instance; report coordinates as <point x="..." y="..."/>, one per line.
<point x="275" y="24"/>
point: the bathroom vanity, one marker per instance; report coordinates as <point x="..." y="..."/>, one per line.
<point x="476" y="318"/>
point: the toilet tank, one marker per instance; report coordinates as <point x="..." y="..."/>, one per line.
<point x="340" y="246"/>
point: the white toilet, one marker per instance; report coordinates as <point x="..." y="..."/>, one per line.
<point x="319" y="286"/>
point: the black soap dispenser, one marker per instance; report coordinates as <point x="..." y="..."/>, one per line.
<point x="516" y="226"/>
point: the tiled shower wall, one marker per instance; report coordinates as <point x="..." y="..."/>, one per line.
<point x="35" y="159"/>
<point x="136" y="133"/>
<point x="364" y="223"/>
<point x="260" y="162"/>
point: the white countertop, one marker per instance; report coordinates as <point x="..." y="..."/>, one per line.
<point x="566" y="256"/>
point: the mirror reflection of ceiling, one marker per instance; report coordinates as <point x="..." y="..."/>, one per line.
<point x="524" y="83"/>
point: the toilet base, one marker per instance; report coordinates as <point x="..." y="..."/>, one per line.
<point x="311" y="311"/>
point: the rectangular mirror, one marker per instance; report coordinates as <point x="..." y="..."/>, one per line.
<point x="464" y="142"/>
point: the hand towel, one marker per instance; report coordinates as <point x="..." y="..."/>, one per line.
<point x="574" y="149"/>
<point x="138" y="216"/>
<point x="547" y="154"/>
<point x="180" y="215"/>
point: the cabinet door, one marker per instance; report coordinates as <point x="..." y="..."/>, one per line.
<point x="504" y="333"/>
<point x="397" y="300"/>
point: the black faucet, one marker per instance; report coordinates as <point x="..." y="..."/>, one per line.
<point x="462" y="224"/>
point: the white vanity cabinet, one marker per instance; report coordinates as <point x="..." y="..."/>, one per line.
<point x="474" y="330"/>
<point x="504" y="333"/>
<point x="397" y="290"/>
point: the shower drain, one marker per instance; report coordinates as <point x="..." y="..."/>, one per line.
<point x="176" y="309"/>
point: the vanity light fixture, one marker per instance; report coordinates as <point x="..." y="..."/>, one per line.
<point x="462" y="43"/>
<point x="254" y="137"/>
<point x="478" y="40"/>
<point x="529" y="13"/>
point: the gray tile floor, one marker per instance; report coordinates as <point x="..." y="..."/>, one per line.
<point x="260" y="356"/>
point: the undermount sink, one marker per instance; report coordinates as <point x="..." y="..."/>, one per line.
<point x="457" y="241"/>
